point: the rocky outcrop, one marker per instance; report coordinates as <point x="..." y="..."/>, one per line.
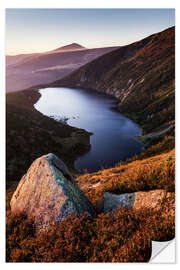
<point x="48" y="193"/>
<point x="140" y="75"/>
<point x="154" y="201"/>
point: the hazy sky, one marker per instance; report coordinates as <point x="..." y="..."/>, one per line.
<point x="38" y="30"/>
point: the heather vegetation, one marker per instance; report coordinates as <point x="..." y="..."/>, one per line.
<point x="145" y="70"/>
<point x="123" y="237"/>
<point x="156" y="172"/>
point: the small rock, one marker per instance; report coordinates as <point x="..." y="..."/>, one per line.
<point x="111" y="202"/>
<point x="152" y="200"/>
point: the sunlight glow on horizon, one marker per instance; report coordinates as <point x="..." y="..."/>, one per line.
<point x="42" y="30"/>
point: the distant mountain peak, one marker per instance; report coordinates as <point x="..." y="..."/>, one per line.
<point x="71" y="47"/>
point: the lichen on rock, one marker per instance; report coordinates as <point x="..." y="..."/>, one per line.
<point x="48" y="193"/>
<point x="154" y="201"/>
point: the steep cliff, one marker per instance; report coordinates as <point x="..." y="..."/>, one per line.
<point x="140" y="75"/>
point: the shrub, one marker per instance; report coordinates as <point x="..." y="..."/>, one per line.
<point x="123" y="237"/>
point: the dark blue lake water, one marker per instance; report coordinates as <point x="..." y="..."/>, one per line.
<point x="114" y="135"/>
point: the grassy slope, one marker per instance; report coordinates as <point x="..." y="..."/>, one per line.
<point x="81" y="239"/>
<point x="125" y="237"/>
<point x="155" y="172"/>
<point x="140" y="75"/>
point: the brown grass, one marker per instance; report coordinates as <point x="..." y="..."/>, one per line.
<point x="127" y="235"/>
<point x="156" y="172"/>
<point x="124" y="237"/>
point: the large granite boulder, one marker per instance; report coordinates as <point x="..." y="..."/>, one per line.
<point x="154" y="200"/>
<point x="48" y="193"/>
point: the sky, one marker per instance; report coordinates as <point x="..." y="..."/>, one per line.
<point x="40" y="30"/>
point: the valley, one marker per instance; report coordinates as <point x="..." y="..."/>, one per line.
<point x="27" y="70"/>
<point x="139" y="79"/>
<point x="140" y="75"/>
<point x="113" y="135"/>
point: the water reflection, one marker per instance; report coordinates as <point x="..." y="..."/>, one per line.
<point x="113" y="136"/>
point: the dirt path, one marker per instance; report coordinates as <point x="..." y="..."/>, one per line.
<point x="156" y="134"/>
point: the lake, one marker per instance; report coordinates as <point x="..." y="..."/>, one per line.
<point x="114" y="135"/>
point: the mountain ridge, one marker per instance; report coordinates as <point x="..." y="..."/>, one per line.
<point x="73" y="46"/>
<point x="146" y="71"/>
<point x="70" y="46"/>
<point x="140" y="75"/>
<point x="27" y="70"/>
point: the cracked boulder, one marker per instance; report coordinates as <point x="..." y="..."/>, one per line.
<point x="47" y="193"/>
